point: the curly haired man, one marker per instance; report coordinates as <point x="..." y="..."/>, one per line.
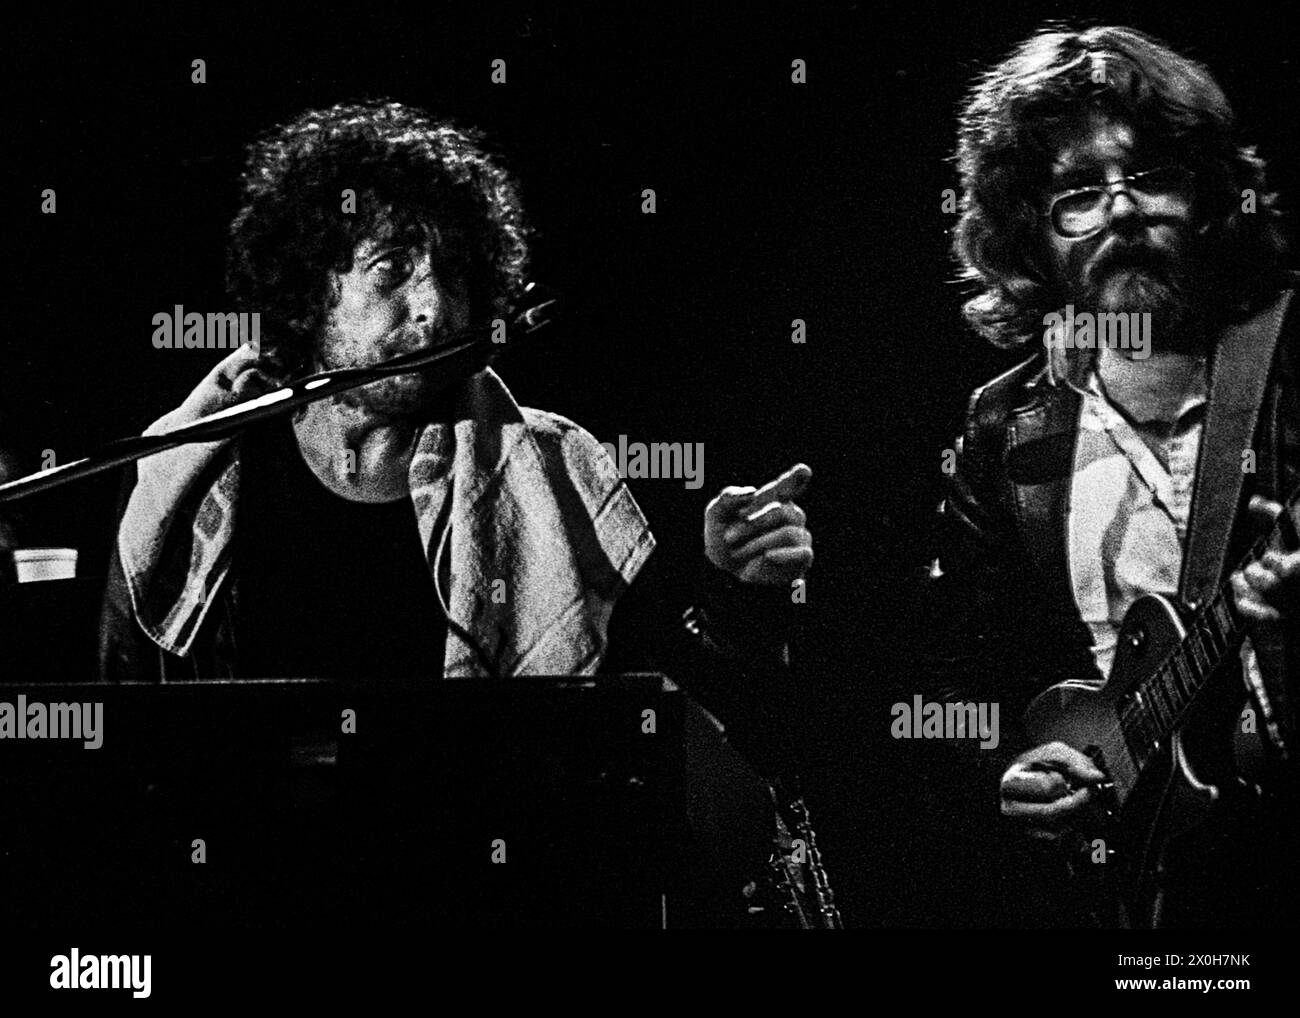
<point x="418" y="525"/>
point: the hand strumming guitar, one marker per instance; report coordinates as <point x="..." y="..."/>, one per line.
<point x="1047" y="787"/>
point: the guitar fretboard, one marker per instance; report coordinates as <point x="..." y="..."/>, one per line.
<point x="1153" y="710"/>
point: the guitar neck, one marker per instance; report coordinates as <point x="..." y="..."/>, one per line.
<point x="1214" y="632"/>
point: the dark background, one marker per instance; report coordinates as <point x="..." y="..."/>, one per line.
<point x="775" y="201"/>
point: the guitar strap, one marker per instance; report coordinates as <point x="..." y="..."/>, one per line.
<point x="1238" y="375"/>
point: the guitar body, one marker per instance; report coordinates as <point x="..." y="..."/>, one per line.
<point x="1151" y="800"/>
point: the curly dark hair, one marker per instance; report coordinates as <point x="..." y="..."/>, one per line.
<point x="411" y="175"/>
<point x="1005" y="152"/>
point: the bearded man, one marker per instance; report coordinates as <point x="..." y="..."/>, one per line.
<point x="373" y="533"/>
<point x="1103" y="177"/>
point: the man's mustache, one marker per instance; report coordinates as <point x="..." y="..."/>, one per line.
<point x="381" y="352"/>
<point x="1132" y="257"/>
<point x="412" y="342"/>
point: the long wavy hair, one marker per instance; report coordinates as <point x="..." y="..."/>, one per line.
<point x="408" y="172"/>
<point x="1005" y="153"/>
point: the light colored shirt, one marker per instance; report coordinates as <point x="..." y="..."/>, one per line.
<point x="1129" y="506"/>
<point x="1130" y="501"/>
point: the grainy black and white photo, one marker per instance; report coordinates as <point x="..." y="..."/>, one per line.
<point x="569" y="469"/>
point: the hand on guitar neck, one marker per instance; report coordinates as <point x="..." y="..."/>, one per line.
<point x="1267" y="591"/>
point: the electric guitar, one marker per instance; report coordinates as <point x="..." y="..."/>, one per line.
<point x="1160" y="729"/>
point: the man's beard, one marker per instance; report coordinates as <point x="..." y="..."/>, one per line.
<point x="1135" y="278"/>
<point x="417" y="397"/>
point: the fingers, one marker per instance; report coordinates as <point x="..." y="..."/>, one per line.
<point x="1265" y="510"/>
<point x="1284" y="566"/>
<point x="1250" y="602"/>
<point x="777" y="567"/>
<point x="1057" y="756"/>
<point x="1260" y="577"/>
<point x="736" y="499"/>
<point x="770" y="517"/>
<point x="230" y="367"/>
<point x="1054" y="812"/>
<point x="251" y="383"/>
<point x="1266" y="590"/>
<point x="730" y="500"/>
<point x="759" y="534"/>
<point x="789" y="485"/>
<point x="1043" y="784"/>
<point x="1259" y="611"/>
<point x="789" y="536"/>
<point x="1026" y="785"/>
<point x="226" y="383"/>
<point x="242" y="375"/>
<point x="1042" y="788"/>
<point x="802" y="556"/>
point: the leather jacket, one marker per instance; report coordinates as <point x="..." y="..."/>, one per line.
<point x="998" y="619"/>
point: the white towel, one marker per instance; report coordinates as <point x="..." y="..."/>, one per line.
<point x="535" y="503"/>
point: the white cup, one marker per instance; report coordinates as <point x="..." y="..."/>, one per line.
<point x="36" y="565"/>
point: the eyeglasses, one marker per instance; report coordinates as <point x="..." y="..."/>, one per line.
<point x="1084" y="211"/>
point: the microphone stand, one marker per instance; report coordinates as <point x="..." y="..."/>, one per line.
<point x="467" y="346"/>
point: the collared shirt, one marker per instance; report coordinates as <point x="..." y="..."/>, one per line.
<point x="1129" y="507"/>
<point x="1130" y="502"/>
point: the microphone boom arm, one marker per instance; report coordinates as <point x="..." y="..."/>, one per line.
<point x="272" y="404"/>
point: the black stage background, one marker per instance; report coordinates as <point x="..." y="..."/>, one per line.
<point x="775" y="201"/>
